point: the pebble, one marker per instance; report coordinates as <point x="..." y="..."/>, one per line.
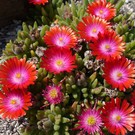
<point x="9" y="32"/>
<point x="11" y="127"/>
<point x="129" y="7"/>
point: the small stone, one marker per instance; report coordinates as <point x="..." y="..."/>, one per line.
<point x="40" y="51"/>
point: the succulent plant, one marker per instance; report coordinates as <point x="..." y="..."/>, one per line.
<point x="73" y="86"/>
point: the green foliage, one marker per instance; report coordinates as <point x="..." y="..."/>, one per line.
<point x="71" y="13"/>
<point x="45" y="14"/>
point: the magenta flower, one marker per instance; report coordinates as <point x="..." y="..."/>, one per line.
<point x="108" y="46"/>
<point x="62" y="37"/>
<point x="56" y="60"/>
<point x="14" y="103"/>
<point x="102" y="9"/>
<point x="53" y="94"/>
<point x="91" y="26"/>
<point x="90" y="121"/>
<point x="17" y="73"/>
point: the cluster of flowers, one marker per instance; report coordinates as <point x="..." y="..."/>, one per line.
<point x="106" y="45"/>
<point x="117" y="115"/>
<point x="15" y="76"/>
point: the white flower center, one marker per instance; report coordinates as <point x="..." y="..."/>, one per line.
<point x="117" y="75"/>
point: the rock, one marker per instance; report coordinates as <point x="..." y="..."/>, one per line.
<point x="12" y="127"/>
<point x="9" y="32"/>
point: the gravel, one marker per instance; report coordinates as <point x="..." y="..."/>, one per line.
<point x="12" y="127"/>
<point x="129" y="7"/>
<point x="9" y="32"/>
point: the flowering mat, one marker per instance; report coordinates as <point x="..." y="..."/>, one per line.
<point x="72" y="71"/>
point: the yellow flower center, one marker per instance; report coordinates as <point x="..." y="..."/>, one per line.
<point x="13" y="102"/>
<point x="107" y="46"/>
<point x="61" y="39"/>
<point x="118" y="118"/>
<point x="91" y="120"/>
<point x="119" y="75"/>
<point x="18" y="75"/>
<point x="53" y="93"/>
<point x="101" y="11"/>
<point x="94" y="30"/>
<point x="59" y="63"/>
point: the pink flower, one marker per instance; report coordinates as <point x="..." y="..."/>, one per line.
<point x="14" y="103"/>
<point x="90" y="121"/>
<point x="53" y="94"/>
<point x="62" y="37"/>
<point x="108" y="46"/>
<point x="91" y="26"/>
<point x="17" y="73"/>
<point x="102" y="9"/>
<point x="57" y="60"/>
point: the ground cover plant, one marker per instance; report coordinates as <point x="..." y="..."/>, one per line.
<point x="71" y="71"/>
